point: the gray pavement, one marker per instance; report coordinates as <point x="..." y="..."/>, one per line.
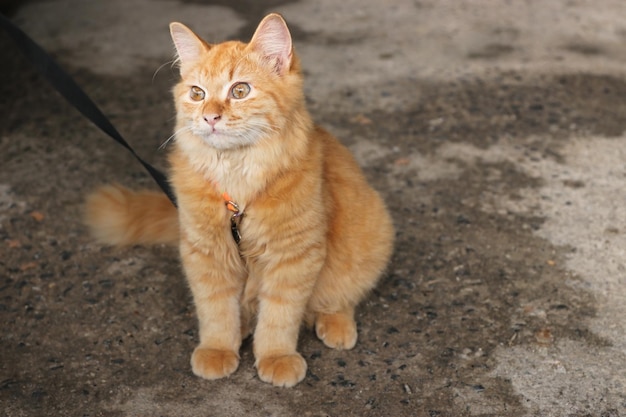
<point x="496" y="131"/>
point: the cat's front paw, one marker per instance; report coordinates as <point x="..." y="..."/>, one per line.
<point x="282" y="371"/>
<point x="337" y="331"/>
<point x="212" y="363"/>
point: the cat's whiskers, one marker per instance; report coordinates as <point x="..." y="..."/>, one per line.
<point x="252" y="130"/>
<point x="252" y="134"/>
<point x="161" y="66"/>
<point x="164" y="144"/>
<point x="260" y="127"/>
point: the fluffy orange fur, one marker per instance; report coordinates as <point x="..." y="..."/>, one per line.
<point x="315" y="236"/>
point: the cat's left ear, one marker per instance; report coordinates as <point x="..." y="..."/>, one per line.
<point x="273" y="40"/>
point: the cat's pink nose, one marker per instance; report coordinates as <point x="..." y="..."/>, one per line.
<point x="212" y="119"/>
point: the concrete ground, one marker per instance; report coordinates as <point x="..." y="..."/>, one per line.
<point x="495" y="131"/>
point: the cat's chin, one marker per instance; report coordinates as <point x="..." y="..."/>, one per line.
<point x="223" y="142"/>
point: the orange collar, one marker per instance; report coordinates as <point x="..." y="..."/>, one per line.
<point x="237" y="214"/>
<point x="231" y="205"/>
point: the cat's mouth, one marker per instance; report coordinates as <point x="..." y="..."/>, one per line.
<point x="220" y="137"/>
<point x="209" y="131"/>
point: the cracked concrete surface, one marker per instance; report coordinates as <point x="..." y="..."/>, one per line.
<point x="494" y="130"/>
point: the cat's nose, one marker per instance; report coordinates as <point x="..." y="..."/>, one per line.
<point x="212" y="119"/>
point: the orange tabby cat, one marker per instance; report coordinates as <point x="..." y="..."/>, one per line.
<point x="315" y="236"/>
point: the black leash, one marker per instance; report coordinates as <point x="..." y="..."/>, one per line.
<point x="68" y="88"/>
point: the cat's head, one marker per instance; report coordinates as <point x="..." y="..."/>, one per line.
<point x="233" y="94"/>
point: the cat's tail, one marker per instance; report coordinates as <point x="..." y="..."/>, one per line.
<point x="119" y="216"/>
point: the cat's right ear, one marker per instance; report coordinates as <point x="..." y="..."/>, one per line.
<point x="188" y="45"/>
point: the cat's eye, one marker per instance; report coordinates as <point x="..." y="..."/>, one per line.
<point x="240" y="90"/>
<point x="196" y="93"/>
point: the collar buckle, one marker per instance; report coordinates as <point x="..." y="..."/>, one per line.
<point x="235" y="218"/>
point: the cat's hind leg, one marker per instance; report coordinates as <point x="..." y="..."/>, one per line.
<point x="353" y="266"/>
<point x="340" y="287"/>
<point x="337" y="330"/>
<point x="332" y="305"/>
